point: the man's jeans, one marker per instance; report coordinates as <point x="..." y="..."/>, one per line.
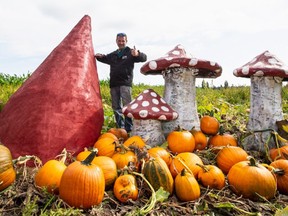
<point x="120" y="96"/>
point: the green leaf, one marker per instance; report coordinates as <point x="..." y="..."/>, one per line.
<point x="161" y="195"/>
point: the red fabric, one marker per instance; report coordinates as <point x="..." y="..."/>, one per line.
<point x="60" y="105"/>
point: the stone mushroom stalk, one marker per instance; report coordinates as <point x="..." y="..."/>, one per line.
<point x="148" y="109"/>
<point x="179" y="72"/>
<point x="266" y="72"/>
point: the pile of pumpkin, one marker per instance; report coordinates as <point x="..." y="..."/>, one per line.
<point x="116" y="161"/>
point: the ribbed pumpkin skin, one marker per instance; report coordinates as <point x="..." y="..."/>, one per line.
<point x="49" y="175"/>
<point x="106" y="146"/>
<point x="247" y="180"/>
<point x="180" y="141"/>
<point x="211" y="176"/>
<point x="82" y="186"/>
<point x="222" y="140"/>
<point x="135" y="141"/>
<point x="7" y="178"/>
<point x="123" y="158"/>
<point x="107" y="164"/>
<point x="158" y="151"/>
<point x="282" y="179"/>
<point x="228" y="156"/>
<point x="200" y="139"/>
<point x="7" y="172"/>
<point x="157" y="173"/>
<point x="209" y="125"/>
<point x="189" y="159"/>
<point x="186" y="187"/>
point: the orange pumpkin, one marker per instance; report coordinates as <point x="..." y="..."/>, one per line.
<point x="222" y="139"/>
<point x="108" y="134"/>
<point x="125" y="188"/>
<point x="135" y="141"/>
<point x="180" y="140"/>
<point x="281" y="173"/>
<point x="250" y="179"/>
<point x="7" y="171"/>
<point x="279" y="153"/>
<point x="209" y="125"/>
<point x="158" y="151"/>
<point x="200" y="139"/>
<point x="120" y="133"/>
<point x="107" y="165"/>
<point x="211" y="176"/>
<point x="106" y="146"/>
<point x="50" y="174"/>
<point x="124" y="157"/>
<point x="186" y="160"/>
<point x="186" y="186"/>
<point x="228" y="156"/>
<point x="82" y="184"/>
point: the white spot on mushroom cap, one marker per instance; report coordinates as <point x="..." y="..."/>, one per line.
<point x="245" y="70"/>
<point x="140" y="98"/>
<point x="145" y="103"/>
<point x="153" y="94"/>
<point x="130" y="115"/>
<point x="212" y="63"/>
<point x="153" y="65"/>
<point x="134" y="106"/>
<point x="235" y="72"/>
<point x="193" y="61"/>
<point x="155" y="101"/>
<point x="162" y="118"/>
<point x="146" y="91"/>
<point x="155" y="109"/>
<point x="162" y="100"/>
<point x="175" y="115"/>
<point x="272" y="61"/>
<point x="143" y="113"/>
<point x="164" y="108"/>
<point x="176" y="52"/>
<point x="174" y="65"/>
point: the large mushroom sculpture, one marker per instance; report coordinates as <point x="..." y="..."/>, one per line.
<point x="266" y="72"/>
<point x="148" y="110"/>
<point x="179" y="72"/>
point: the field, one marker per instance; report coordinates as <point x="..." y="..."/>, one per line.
<point x="230" y="106"/>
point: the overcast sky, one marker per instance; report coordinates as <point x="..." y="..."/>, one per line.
<point x="228" y="32"/>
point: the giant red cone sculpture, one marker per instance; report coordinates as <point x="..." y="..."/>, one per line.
<point x="59" y="106"/>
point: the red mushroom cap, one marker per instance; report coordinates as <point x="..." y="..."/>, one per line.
<point x="265" y="64"/>
<point x="149" y="105"/>
<point x="178" y="58"/>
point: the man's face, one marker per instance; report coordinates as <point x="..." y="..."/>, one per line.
<point x="121" y="42"/>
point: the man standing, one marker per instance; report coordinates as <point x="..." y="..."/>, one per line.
<point x="121" y="64"/>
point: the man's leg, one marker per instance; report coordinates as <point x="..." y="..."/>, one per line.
<point x="116" y="106"/>
<point x="126" y="95"/>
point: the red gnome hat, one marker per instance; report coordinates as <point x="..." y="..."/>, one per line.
<point x="59" y="106"/>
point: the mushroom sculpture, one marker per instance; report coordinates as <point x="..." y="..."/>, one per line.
<point x="148" y="109"/>
<point x="179" y="72"/>
<point x="266" y="72"/>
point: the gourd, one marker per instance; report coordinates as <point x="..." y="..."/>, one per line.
<point x="157" y="173"/>
<point x="50" y="174"/>
<point x="125" y="188"/>
<point x="249" y="178"/>
<point x="209" y="125"/>
<point x="281" y="172"/>
<point x="180" y="140"/>
<point x="211" y="176"/>
<point x="82" y="184"/>
<point x="7" y="171"/>
<point x="186" y="160"/>
<point x="107" y="164"/>
<point x="228" y="156"/>
<point x="186" y="186"/>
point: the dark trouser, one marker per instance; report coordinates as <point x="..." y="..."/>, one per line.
<point x="120" y="96"/>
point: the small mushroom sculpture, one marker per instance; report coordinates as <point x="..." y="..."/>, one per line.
<point x="179" y="72"/>
<point x="148" y="109"/>
<point x="266" y="72"/>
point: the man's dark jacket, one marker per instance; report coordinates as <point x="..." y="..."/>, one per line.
<point x="121" y="66"/>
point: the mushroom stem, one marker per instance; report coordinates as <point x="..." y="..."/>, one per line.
<point x="265" y="109"/>
<point x="180" y="94"/>
<point x="151" y="128"/>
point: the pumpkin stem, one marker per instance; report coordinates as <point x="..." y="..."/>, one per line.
<point x="205" y="168"/>
<point x="279" y="171"/>
<point x="90" y="157"/>
<point x="221" y="130"/>
<point x="252" y="161"/>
